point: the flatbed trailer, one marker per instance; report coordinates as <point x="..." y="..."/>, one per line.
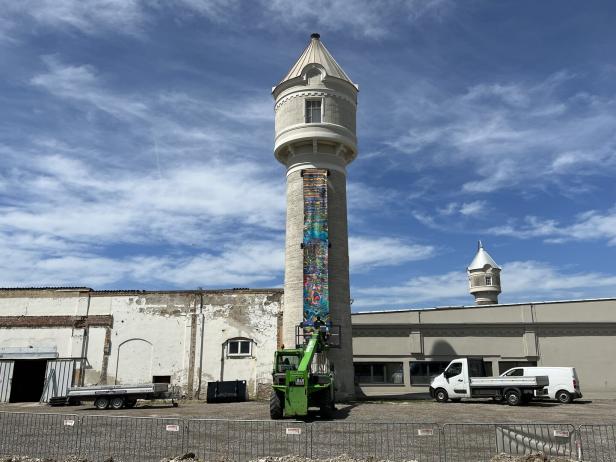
<point x="465" y="378"/>
<point x="123" y="396"/>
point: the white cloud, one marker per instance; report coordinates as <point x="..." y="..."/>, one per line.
<point x="368" y="252"/>
<point x="591" y="225"/>
<point x="515" y="135"/>
<point x="363" y="18"/>
<point x="522" y="281"/>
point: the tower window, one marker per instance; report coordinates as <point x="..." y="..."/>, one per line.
<point x="488" y="280"/>
<point x="313" y="111"/>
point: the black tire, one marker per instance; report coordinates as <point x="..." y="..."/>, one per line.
<point x="276" y="406"/>
<point x="130" y="403"/>
<point x="563" y="396"/>
<point x="101" y="403"/>
<point x="116" y="403"/>
<point x="513" y="397"/>
<point x="327" y="409"/>
<point x="441" y="395"/>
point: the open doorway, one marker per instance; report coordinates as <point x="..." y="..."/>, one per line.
<point x="28" y="380"/>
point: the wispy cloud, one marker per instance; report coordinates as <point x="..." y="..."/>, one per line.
<point x="522" y="281"/>
<point x="368" y="19"/>
<point x="366" y="253"/>
<point x="590" y="225"/>
<point x="514" y="135"/>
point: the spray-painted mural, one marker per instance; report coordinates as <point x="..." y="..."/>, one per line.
<point x="316" y="240"/>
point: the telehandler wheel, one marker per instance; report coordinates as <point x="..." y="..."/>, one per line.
<point x="441" y="395"/>
<point x="276" y="406"/>
<point x="327" y="410"/>
<point x="513" y="397"/>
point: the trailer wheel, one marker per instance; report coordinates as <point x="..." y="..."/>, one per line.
<point x="276" y="406"/>
<point x="513" y="397"/>
<point x="116" y="403"/>
<point x="101" y="403"/>
<point x="563" y="396"/>
<point x="441" y="395"/>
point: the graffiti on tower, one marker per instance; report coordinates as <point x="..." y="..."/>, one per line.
<point x="316" y="241"/>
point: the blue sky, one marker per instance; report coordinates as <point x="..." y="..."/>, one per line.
<point x="136" y="144"/>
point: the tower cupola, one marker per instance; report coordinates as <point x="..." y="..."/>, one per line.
<point x="316" y="105"/>
<point x="484" y="278"/>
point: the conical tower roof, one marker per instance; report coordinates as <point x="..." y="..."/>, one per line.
<point x="482" y="258"/>
<point x="316" y="53"/>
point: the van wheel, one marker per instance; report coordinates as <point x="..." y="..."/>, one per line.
<point x="513" y="397"/>
<point x="441" y="395"/>
<point x="563" y="396"/>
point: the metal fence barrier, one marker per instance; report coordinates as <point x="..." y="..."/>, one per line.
<point x="388" y="441"/>
<point x="597" y="442"/>
<point x="471" y="441"/>
<point x="146" y="439"/>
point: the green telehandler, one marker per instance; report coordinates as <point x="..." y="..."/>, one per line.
<point x="300" y="382"/>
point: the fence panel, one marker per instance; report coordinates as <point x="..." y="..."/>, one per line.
<point x="598" y="442"/>
<point x="242" y="440"/>
<point x="39" y="435"/>
<point x="390" y="441"/>
<point x="481" y="442"/>
<point x="135" y="439"/>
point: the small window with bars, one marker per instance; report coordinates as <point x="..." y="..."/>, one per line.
<point x="313" y="111"/>
<point x="488" y="280"/>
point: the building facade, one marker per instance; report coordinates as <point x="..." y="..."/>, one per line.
<point x="59" y="337"/>
<point x="397" y="352"/>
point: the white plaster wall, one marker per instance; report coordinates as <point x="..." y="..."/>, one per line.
<point x="60" y="338"/>
<point x="49" y="304"/>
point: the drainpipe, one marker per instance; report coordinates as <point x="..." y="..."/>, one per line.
<point x="84" y="342"/>
<point x="202" y="317"/>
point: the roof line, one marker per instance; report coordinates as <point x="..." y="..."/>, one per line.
<point x="496" y="305"/>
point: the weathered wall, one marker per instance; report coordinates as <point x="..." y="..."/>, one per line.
<point x="130" y="336"/>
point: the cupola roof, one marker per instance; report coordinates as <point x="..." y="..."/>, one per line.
<point x="482" y="258"/>
<point x="316" y="53"/>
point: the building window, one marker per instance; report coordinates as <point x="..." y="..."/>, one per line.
<point x="504" y="366"/>
<point x="313" y="111"/>
<point x="422" y="372"/>
<point x="379" y="373"/>
<point x="488" y="280"/>
<point x="241" y="347"/>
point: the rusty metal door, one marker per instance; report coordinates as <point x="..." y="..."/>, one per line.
<point x="6" y="378"/>
<point x="58" y="378"/>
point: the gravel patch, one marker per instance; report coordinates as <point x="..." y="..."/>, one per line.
<point x="536" y="457"/>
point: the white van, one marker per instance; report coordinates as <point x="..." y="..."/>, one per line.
<point x="564" y="383"/>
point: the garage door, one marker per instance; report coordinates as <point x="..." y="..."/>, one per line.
<point x="6" y="377"/>
<point x="58" y="378"/>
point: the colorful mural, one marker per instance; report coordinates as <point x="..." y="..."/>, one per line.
<point x="316" y="241"/>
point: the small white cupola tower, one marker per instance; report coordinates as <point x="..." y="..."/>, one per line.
<point x="484" y="278"/>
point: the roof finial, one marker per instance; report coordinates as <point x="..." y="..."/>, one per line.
<point x="315" y="36"/>
<point x="479" y="245"/>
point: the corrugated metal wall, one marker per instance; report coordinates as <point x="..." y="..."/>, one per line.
<point x="6" y="378"/>
<point x="58" y="378"/>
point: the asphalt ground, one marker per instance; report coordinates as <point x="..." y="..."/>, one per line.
<point x="596" y="411"/>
